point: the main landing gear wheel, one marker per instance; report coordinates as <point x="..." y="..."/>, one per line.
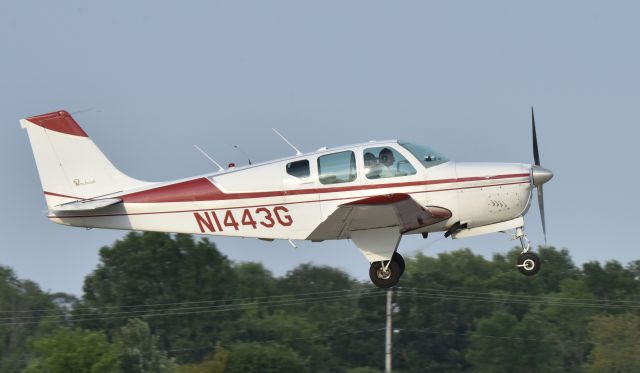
<point x="398" y="258"/>
<point x="387" y="274"/>
<point x="528" y="264"/>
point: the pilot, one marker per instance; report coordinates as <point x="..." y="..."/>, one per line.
<point x="386" y="161"/>
<point x="371" y="167"/>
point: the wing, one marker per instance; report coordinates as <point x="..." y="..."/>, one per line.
<point x="384" y="211"/>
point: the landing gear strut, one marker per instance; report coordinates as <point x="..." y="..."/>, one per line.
<point x="386" y="274"/>
<point x="528" y="262"/>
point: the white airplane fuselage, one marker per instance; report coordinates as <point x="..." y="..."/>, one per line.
<point x="263" y="201"/>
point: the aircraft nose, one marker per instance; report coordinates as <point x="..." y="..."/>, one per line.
<point x="540" y="175"/>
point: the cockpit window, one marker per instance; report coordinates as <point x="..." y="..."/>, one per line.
<point x="299" y="168"/>
<point x="384" y="161"/>
<point x="427" y="156"/>
<point x="337" y="168"/>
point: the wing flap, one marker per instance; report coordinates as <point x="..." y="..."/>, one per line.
<point x="390" y="210"/>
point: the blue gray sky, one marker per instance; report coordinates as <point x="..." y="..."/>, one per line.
<point x="150" y="79"/>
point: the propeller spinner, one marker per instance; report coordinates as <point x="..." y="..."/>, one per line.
<point x="539" y="175"/>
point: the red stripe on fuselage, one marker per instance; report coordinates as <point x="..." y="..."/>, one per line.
<point x="59" y="121"/>
<point x="187" y="191"/>
<point x="204" y="190"/>
<point x="278" y="203"/>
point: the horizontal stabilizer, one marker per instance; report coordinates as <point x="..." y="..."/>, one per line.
<point x="86" y="205"/>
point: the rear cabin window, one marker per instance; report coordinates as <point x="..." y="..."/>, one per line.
<point x="299" y="168"/>
<point x="337" y="168"/>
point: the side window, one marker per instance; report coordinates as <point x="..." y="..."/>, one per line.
<point x="337" y="168"/>
<point x="299" y="168"/>
<point x="382" y="162"/>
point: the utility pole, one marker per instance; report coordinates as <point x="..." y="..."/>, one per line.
<point x="389" y="333"/>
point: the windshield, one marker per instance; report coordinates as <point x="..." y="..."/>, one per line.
<point x="427" y="156"/>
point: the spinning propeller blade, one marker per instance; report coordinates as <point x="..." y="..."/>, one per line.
<point x="536" y="155"/>
<point x="541" y="206"/>
<point x="539" y="175"/>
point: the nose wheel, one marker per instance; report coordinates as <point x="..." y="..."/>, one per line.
<point x="528" y="262"/>
<point x="386" y="274"/>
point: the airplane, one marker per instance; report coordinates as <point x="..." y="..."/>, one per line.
<point x="372" y="193"/>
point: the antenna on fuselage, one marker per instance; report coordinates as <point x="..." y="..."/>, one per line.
<point x="209" y="158"/>
<point x="243" y="153"/>
<point x="298" y="152"/>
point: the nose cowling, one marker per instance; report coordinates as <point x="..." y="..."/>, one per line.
<point x="540" y="175"/>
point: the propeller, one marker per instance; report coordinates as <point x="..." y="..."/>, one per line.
<point x="539" y="175"/>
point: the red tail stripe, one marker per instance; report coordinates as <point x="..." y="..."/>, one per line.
<point x="59" y="121"/>
<point x="60" y="195"/>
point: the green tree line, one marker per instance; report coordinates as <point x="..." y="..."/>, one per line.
<point x="175" y="304"/>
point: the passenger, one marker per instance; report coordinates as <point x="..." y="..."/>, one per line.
<point x="386" y="160"/>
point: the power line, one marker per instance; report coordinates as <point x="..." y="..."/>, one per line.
<point x="211" y="306"/>
<point x="552" y="297"/>
<point x="231" y="306"/>
<point x="474" y="334"/>
<point x="362" y="288"/>
<point x="211" y="309"/>
<point x="516" y="300"/>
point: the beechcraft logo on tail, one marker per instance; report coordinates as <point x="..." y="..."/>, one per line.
<point x="78" y="182"/>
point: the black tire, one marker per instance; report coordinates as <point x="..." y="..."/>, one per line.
<point x="529" y="264"/>
<point x="398" y="258"/>
<point x="385" y="280"/>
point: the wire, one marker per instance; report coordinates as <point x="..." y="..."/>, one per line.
<point x="363" y="287"/>
<point x="222" y="306"/>
<point x="286" y="300"/>
<point x="507" y="298"/>
<point x="552" y="297"/>
<point x="474" y="334"/>
<point x="212" y="309"/>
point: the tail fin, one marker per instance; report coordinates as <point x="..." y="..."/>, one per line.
<point x="70" y="165"/>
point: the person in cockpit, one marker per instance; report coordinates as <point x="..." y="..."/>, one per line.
<point x="386" y="161"/>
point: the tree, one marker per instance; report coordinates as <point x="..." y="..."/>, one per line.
<point x="332" y="299"/>
<point x="261" y="358"/>
<point x="215" y="363"/>
<point x="254" y="281"/>
<point x="615" y="343"/>
<point x="23" y="307"/>
<point x="363" y="370"/>
<point x="441" y="300"/>
<point x="74" y="351"/>
<point x="153" y="274"/>
<point x="434" y="325"/>
<point x="613" y="281"/>
<point x="289" y="330"/>
<point x="563" y="316"/>
<point x="140" y="353"/>
<point x="502" y="343"/>
<point x="331" y="315"/>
